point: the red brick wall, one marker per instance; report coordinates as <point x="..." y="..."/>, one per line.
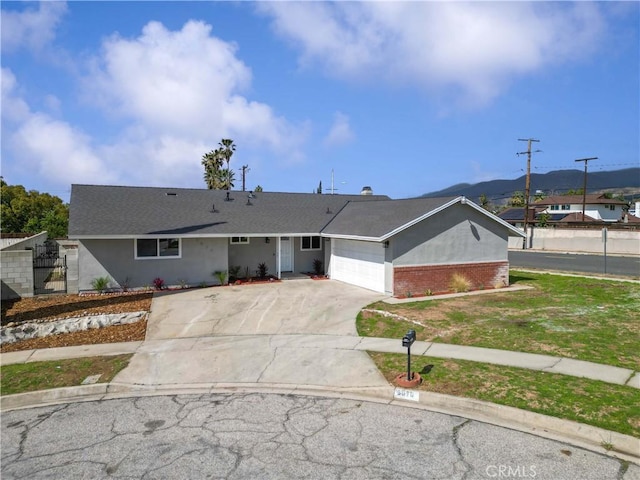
<point x="437" y="278"/>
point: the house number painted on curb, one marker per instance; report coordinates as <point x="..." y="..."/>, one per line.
<point x="402" y="394"/>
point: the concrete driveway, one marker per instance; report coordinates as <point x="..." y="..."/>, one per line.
<point x="296" y="306"/>
<point x="297" y="332"/>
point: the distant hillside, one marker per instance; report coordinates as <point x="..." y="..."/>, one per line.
<point x="626" y="181"/>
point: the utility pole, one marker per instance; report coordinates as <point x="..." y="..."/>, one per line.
<point x="584" y="183"/>
<point x="245" y="169"/>
<point x="527" y="185"/>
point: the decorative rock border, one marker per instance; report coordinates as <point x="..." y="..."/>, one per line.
<point x="43" y="328"/>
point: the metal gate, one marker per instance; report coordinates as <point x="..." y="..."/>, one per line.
<point x="49" y="269"/>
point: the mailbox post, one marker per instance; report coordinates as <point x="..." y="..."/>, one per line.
<point x="407" y="341"/>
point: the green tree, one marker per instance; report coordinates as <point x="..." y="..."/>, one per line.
<point x="543" y="219"/>
<point x="227" y="147"/>
<point x="215" y="176"/>
<point x="212" y="163"/>
<point x="226" y="179"/>
<point x="484" y="202"/>
<point x="516" y="200"/>
<point x="258" y="188"/>
<point x="319" y="190"/>
<point x="30" y="211"/>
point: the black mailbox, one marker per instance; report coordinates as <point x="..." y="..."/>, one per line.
<point x="409" y="338"/>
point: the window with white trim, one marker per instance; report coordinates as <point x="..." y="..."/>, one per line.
<point x="310" y="243"/>
<point x="157" y="248"/>
<point x="238" y="240"/>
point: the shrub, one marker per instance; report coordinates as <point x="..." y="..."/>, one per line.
<point x="234" y="273"/>
<point x="125" y="284"/>
<point x="100" y="284"/>
<point x="459" y="283"/>
<point x="221" y="275"/>
<point x="317" y="266"/>
<point x="262" y="270"/>
<point x="158" y="283"/>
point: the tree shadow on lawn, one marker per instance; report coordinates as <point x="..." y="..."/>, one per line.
<point x="520" y="277"/>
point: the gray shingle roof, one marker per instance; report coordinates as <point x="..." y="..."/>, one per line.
<point x="379" y="218"/>
<point x="97" y="210"/>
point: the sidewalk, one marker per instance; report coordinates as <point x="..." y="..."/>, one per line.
<point x="531" y="361"/>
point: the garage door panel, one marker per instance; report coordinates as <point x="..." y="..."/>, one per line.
<point x="358" y="263"/>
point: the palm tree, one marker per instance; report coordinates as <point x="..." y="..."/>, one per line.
<point x="212" y="163"/>
<point x="226" y="178"/>
<point x="227" y="147"/>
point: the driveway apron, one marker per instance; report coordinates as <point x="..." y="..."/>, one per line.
<point x="290" y="332"/>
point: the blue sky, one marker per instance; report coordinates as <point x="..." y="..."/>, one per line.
<point x="407" y="98"/>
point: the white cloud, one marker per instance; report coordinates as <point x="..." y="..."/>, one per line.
<point x="471" y="48"/>
<point x="14" y="109"/>
<point x="175" y="94"/>
<point x="340" y="132"/>
<point x="43" y="146"/>
<point x="56" y="150"/>
<point x="31" y="28"/>
<point x="185" y="83"/>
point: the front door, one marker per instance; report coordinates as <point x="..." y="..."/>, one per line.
<point x="285" y="254"/>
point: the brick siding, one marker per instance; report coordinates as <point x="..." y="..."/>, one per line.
<point x="437" y="278"/>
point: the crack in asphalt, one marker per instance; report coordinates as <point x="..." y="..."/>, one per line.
<point x="467" y="468"/>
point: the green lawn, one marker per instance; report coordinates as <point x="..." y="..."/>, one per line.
<point x="575" y="317"/>
<point x="28" y="377"/>
<point x="612" y="407"/>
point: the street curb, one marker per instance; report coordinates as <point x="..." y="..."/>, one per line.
<point x="624" y="447"/>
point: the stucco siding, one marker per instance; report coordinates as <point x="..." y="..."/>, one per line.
<point x="250" y="255"/>
<point x="115" y="259"/>
<point x="303" y="259"/>
<point x="458" y="234"/>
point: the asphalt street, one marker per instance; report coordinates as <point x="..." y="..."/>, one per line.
<point x="278" y="436"/>
<point x="627" y="266"/>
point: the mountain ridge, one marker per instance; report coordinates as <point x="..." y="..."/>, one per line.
<point x="551" y="183"/>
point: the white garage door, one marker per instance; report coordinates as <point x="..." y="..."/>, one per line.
<point x="358" y="263"/>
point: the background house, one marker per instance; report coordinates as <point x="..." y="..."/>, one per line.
<point x="135" y="234"/>
<point x="596" y="206"/>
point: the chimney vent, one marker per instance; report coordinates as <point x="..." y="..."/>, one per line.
<point x="366" y="190"/>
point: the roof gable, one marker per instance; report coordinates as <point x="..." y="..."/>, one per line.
<point x="380" y="220"/>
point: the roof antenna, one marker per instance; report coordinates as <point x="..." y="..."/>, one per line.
<point x="213" y="208"/>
